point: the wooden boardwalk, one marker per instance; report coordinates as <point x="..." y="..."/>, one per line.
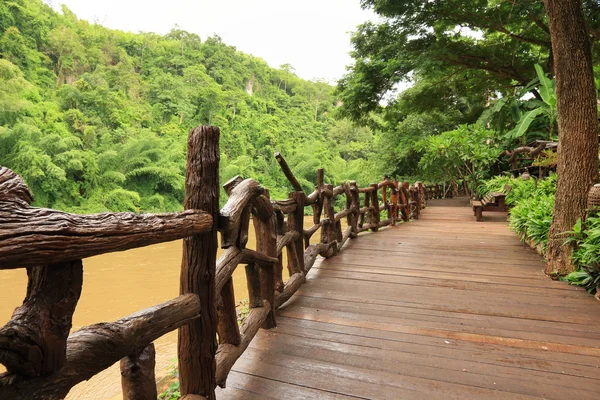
<point x="440" y="308"/>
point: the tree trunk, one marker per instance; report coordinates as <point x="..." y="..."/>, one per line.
<point x="577" y="125"/>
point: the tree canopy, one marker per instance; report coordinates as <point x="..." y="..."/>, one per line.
<point x="469" y="46"/>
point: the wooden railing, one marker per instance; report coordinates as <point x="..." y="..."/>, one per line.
<point x="44" y="362"/>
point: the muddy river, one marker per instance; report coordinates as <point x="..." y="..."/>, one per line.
<point x="116" y="285"/>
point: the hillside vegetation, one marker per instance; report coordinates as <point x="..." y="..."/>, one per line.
<point x="96" y="119"/>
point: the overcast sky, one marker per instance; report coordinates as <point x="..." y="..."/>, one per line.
<point x="311" y="35"/>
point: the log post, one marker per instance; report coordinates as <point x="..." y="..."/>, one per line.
<point x="405" y="201"/>
<point x="138" y="381"/>
<point x="394" y="197"/>
<point x="295" y="222"/>
<point x="318" y="205"/>
<point x="34" y="341"/>
<point x="328" y="230"/>
<point x="362" y="216"/>
<point x="266" y="243"/>
<point x="375" y="215"/>
<point x="354" y="216"/>
<point x="279" y="266"/>
<point x="415" y="199"/>
<point x="197" y="343"/>
<point x="227" y="327"/>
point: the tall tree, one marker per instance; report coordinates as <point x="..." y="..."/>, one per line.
<point x="487" y="43"/>
<point x="577" y="124"/>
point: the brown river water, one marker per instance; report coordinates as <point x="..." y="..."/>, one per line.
<point x="116" y="285"/>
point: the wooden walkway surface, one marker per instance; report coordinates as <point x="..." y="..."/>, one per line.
<point x="440" y="308"/>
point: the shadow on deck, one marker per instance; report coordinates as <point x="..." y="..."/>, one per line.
<point x="443" y="307"/>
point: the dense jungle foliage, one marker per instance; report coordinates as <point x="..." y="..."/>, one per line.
<point x="486" y="63"/>
<point x="97" y="119"/>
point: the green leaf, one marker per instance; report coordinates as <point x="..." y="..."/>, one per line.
<point x="523" y="124"/>
<point x="546" y="87"/>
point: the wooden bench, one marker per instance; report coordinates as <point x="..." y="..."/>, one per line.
<point x="493" y="201"/>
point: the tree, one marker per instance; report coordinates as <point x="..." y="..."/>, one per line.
<point x="463" y="155"/>
<point x="490" y="43"/>
<point x="577" y="125"/>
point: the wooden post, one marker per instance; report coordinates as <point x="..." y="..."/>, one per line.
<point x="34" y="341"/>
<point x="328" y="230"/>
<point x="279" y="266"/>
<point x="405" y="201"/>
<point x="137" y="375"/>
<point x="296" y="223"/>
<point x="197" y="344"/>
<point x="366" y="203"/>
<point x="227" y="327"/>
<point x="353" y="217"/>
<point x="266" y="243"/>
<point x="395" y="195"/>
<point x="318" y="205"/>
<point x="375" y="214"/>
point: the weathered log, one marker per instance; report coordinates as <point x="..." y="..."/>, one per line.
<point x="231" y="213"/>
<point x="197" y="341"/>
<point x="386" y="183"/>
<point x="366" y="227"/>
<point x="317" y="206"/>
<point x="342" y="214"/>
<point x="394" y="199"/>
<point x="311" y="231"/>
<point x="266" y="243"/>
<point x="327" y="191"/>
<point x="227" y="328"/>
<point x="13" y="189"/>
<point x="312" y="251"/>
<point x="288" y="172"/>
<point x="286" y="239"/>
<point x="329" y="231"/>
<point x="262" y="207"/>
<point x="375" y="215"/>
<point x="232" y="257"/>
<point x="95" y="348"/>
<point x="34" y="341"/>
<point x="285" y="206"/>
<point x="253" y="284"/>
<point x="353" y="218"/>
<point x="338" y="190"/>
<point x="347" y="235"/>
<point x="31" y="236"/>
<point x="227" y="354"/>
<point x="232" y="183"/>
<point x="385" y="222"/>
<point x="311" y="198"/>
<point x="290" y="287"/>
<point x="138" y="381"/>
<point x="295" y="223"/>
<point x="366" y="189"/>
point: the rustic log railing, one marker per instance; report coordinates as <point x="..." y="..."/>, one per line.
<point x="44" y="362"/>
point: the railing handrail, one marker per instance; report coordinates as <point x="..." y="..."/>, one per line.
<point x="30" y="236"/>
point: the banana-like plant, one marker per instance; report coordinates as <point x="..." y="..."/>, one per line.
<point x="546" y="107"/>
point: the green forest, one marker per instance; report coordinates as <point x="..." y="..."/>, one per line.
<point x="97" y="119"/>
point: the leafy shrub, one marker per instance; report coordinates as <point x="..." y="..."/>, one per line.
<point x="520" y="189"/>
<point x="531" y="218"/>
<point x="586" y="254"/>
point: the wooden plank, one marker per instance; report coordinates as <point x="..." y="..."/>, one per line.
<point x="442" y="307"/>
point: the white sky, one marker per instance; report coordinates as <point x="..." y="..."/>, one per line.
<point x="311" y="35"/>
